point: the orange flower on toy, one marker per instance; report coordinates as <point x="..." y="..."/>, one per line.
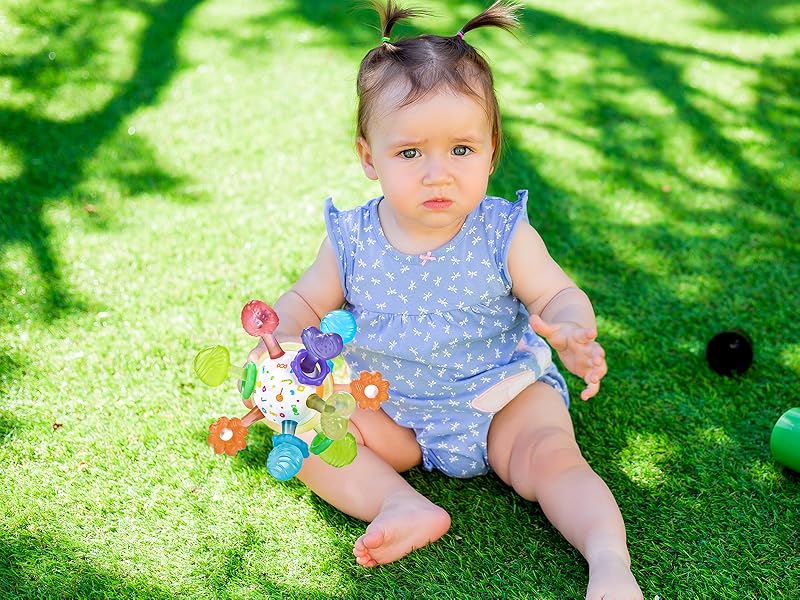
<point x="370" y="389"/>
<point x="227" y="435"/>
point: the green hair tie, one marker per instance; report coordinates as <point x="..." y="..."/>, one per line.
<point x="384" y="39"/>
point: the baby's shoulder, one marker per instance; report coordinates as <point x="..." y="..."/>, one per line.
<point x="358" y="217"/>
<point x="497" y="205"/>
<point x="501" y="215"/>
<point x="366" y="207"/>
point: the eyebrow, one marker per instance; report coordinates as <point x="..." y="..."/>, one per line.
<point x="467" y="140"/>
<point x="403" y="143"/>
<point x="419" y="142"/>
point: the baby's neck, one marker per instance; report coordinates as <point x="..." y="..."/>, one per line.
<point x="414" y="240"/>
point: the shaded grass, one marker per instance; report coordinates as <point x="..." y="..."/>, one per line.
<point x="163" y="162"/>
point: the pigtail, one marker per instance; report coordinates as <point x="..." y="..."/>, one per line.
<point x="503" y="14"/>
<point x="391" y="13"/>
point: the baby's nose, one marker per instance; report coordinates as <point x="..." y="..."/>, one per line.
<point x="436" y="172"/>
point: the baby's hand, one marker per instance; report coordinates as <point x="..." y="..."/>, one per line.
<point x="257" y="352"/>
<point x="577" y="349"/>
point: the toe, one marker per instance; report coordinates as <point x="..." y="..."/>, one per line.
<point x="372" y="538"/>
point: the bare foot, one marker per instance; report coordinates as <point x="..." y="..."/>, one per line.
<point x="404" y="524"/>
<point x="610" y="578"/>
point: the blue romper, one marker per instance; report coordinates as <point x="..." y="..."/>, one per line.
<point x="442" y="328"/>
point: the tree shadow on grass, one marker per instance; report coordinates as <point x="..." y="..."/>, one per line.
<point x="763" y="16"/>
<point x="42" y="566"/>
<point x="39" y="566"/>
<point x="53" y="154"/>
<point x="635" y="166"/>
<point x="11" y="370"/>
<point x="8" y="423"/>
<point x="353" y="24"/>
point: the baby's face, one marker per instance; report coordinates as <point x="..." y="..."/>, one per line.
<point x="432" y="158"/>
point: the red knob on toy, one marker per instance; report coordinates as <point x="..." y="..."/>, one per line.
<point x="260" y="320"/>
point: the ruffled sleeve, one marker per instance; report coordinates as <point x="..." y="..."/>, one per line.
<point x="507" y="219"/>
<point x="339" y="241"/>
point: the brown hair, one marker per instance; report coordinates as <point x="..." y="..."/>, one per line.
<point x="431" y="62"/>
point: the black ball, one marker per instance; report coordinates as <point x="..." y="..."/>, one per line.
<point x="730" y="352"/>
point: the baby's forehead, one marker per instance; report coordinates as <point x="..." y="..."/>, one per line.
<point x="399" y="106"/>
<point x="401" y="94"/>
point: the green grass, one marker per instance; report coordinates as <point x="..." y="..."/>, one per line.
<point x="161" y="163"/>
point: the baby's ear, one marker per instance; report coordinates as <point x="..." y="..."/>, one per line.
<point x="365" y="155"/>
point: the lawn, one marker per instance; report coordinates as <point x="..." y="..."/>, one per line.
<point x="163" y="162"/>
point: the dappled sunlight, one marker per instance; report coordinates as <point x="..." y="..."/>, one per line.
<point x="715" y="436"/>
<point x="662" y="70"/>
<point x="692" y="346"/>
<point x="11" y="164"/>
<point x="767" y="473"/>
<point x="642" y="459"/>
<point x="53" y="145"/>
<point x="790" y="358"/>
<point x="673" y="153"/>
<point x="17" y="261"/>
<point x="712" y="171"/>
<point x="73" y="55"/>
<point x="726" y="87"/>
<point x="162" y="161"/>
<point x="613" y="328"/>
<point x="23" y="287"/>
<point x="632" y="209"/>
<point x="692" y="288"/>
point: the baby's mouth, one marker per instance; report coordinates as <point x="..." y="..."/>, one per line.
<point x="438" y="203"/>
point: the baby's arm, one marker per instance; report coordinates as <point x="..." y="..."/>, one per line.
<point x="560" y="311"/>
<point x="316" y="293"/>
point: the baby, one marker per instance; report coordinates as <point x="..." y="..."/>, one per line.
<point x="454" y="294"/>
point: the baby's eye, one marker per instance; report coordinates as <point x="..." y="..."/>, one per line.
<point x="410" y="153"/>
<point x="461" y="150"/>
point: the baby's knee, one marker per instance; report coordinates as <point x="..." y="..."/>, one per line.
<point x="542" y="456"/>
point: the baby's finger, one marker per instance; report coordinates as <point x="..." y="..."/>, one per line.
<point x="542" y="327"/>
<point x="588" y="364"/>
<point x="590" y="390"/>
<point x="596" y="372"/>
<point x="257" y="352"/>
<point x="600" y="369"/>
<point x="599" y="350"/>
<point x="592" y="376"/>
<point x="584" y="336"/>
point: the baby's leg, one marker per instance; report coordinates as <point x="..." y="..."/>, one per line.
<point x="401" y="519"/>
<point x="532" y="448"/>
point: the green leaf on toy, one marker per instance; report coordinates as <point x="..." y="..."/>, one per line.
<point x="341" y="452"/>
<point x="211" y="365"/>
<point x="334" y="413"/>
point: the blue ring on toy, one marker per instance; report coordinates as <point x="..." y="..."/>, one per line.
<point x="286" y="457"/>
<point x="279" y="439"/>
